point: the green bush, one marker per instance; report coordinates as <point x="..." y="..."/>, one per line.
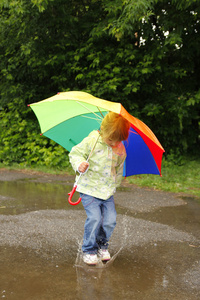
<point x="21" y="143"/>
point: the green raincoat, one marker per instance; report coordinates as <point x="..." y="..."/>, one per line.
<point x="105" y="170"/>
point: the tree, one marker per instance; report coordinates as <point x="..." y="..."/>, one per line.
<point x="150" y="63"/>
<point x="144" y="54"/>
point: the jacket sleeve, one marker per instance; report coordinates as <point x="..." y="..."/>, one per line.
<point x="119" y="169"/>
<point x="80" y="152"/>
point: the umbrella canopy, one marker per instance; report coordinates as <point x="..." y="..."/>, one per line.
<point x="69" y="117"/>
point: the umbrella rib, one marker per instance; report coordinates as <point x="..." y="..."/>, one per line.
<point x="89" y="110"/>
<point x="134" y="132"/>
<point x="100" y="111"/>
<point x="90" y="118"/>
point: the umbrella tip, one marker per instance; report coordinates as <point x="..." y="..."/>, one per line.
<point x="28" y="105"/>
<point x="41" y="133"/>
<point x="58" y="93"/>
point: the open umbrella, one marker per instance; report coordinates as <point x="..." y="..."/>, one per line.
<point x="68" y="117"/>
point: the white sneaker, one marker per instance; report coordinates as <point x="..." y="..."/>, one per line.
<point x="103" y="254"/>
<point x="90" y="259"/>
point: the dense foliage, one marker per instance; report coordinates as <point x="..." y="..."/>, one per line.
<point x="23" y="144"/>
<point x="144" y="54"/>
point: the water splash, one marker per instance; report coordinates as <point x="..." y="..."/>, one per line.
<point x="101" y="265"/>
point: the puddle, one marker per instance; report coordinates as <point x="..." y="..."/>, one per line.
<point x="184" y="217"/>
<point x="135" y="277"/>
<point x="40" y="259"/>
<point x="22" y="196"/>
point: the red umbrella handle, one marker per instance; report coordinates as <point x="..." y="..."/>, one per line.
<point x="71" y="195"/>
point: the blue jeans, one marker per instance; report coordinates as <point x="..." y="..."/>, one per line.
<point x="100" y="223"/>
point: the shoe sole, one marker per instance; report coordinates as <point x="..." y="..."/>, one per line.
<point x="105" y="259"/>
<point x="90" y="264"/>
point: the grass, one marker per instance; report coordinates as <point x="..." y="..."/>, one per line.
<point x="35" y="168"/>
<point x="178" y="178"/>
<point x="182" y="178"/>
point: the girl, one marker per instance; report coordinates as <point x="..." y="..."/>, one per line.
<point x="103" y="174"/>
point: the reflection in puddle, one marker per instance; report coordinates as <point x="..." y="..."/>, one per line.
<point x="17" y="197"/>
<point x="26" y="276"/>
<point x="165" y="281"/>
<point x="122" y="280"/>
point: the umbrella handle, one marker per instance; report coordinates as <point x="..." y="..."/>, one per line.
<point x="75" y="185"/>
<point x="71" y="195"/>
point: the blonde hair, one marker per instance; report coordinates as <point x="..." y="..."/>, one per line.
<point x="115" y="127"/>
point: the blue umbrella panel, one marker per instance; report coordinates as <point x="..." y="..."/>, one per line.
<point x="139" y="158"/>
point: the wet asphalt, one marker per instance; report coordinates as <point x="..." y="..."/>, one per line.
<point x="155" y="245"/>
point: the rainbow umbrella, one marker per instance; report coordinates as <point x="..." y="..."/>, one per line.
<point x="68" y="117"/>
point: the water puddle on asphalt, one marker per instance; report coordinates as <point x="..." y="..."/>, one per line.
<point x="22" y="196"/>
<point x="29" y="271"/>
<point x="27" y="276"/>
<point x="183" y="217"/>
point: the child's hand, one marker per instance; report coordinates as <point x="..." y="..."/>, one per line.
<point x="83" y="167"/>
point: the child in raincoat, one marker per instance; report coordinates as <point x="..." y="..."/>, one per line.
<point x="101" y="176"/>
